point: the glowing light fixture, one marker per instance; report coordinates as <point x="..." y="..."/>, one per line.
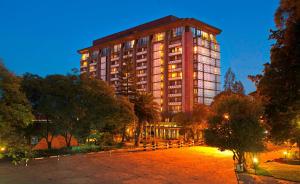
<point x="226" y="116"/>
<point x="255" y="160"/>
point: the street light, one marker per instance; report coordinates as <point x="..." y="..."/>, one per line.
<point x="2" y="149"/>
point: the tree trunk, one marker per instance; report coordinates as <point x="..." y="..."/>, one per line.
<point x="241" y="158"/>
<point x="123" y="133"/>
<point x="137" y="134"/>
<point x="298" y="143"/>
<point x="49" y="145"/>
<point x="68" y="139"/>
<point x="49" y="142"/>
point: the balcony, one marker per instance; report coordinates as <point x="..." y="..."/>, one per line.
<point x="115" y="59"/>
<point x="174" y="45"/>
<point x="140" y="53"/>
<point x="175" y="78"/>
<point x="114" y="79"/>
<point x="175" y="61"/>
<point x="141" y="75"/>
<point x="175" y="95"/>
<point x="127" y="56"/>
<point x="141" y="67"/>
<point x="114" y="66"/>
<point x="142" y="82"/>
<point x="174" y="103"/>
<point x="175" y="53"/>
<point x="141" y="89"/>
<point x="141" y="60"/>
<point x="175" y="70"/>
<point x="174" y="86"/>
<point x="93" y="69"/>
<point x="113" y="72"/>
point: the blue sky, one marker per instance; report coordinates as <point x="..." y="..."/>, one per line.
<point x="42" y="37"/>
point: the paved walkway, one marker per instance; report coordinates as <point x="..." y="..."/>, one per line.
<point x="250" y="179"/>
<point x="185" y="165"/>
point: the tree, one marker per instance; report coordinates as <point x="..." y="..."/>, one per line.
<point x="106" y="112"/>
<point x="229" y="80"/>
<point x="279" y="84"/>
<point x="238" y="87"/>
<point x="70" y="111"/>
<point x="185" y="120"/>
<point x="200" y="116"/>
<point x="235" y="125"/>
<point x="193" y="123"/>
<point x="146" y="110"/>
<point x="15" y="115"/>
<point x="125" y="114"/>
<point x="43" y="103"/>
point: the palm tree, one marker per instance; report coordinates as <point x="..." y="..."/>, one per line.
<point x="146" y="110"/>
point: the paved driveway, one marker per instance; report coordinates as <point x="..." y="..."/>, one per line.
<point x="185" y="165"/>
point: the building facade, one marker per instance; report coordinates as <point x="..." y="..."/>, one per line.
<point x="175" y="59"/>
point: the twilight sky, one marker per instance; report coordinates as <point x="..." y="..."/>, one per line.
<point x="42" y="37"/>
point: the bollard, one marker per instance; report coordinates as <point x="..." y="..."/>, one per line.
<point x="57" y="157"/>
<point x="153" y="146"/>
<point x="145" y="146"/>
<point x="178" y="144"/>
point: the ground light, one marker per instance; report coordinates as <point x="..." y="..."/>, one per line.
<point x="285" y="153"/>
<point x="255" y="163"/>
<point x="2" y="149"/>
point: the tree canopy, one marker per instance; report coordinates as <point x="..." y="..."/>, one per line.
<point x="280" y="83"/>
<point x="15" y="113"/>
<point x="231" y="84"/>
<point x="235" y="125"/>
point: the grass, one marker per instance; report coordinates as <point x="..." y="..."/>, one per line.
<point x="72" y="150"/>
<point x="279" y="170"/>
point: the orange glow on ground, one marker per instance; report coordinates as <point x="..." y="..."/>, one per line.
<point x="212" y="151"/>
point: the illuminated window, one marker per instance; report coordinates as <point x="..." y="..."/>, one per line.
<point x="117" y="48"/>
<point x="129" y="44"/>
<point x="84" y="64"/>
<point x="195" y="49"/>
<point x="204" y="35"/>
<point x="159" y="37"/>
<point x="84" y="56"/>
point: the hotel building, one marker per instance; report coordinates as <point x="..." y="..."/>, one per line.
<point x="175" y="59"/>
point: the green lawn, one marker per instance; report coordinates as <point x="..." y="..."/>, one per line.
<point x="280" y="171"/>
